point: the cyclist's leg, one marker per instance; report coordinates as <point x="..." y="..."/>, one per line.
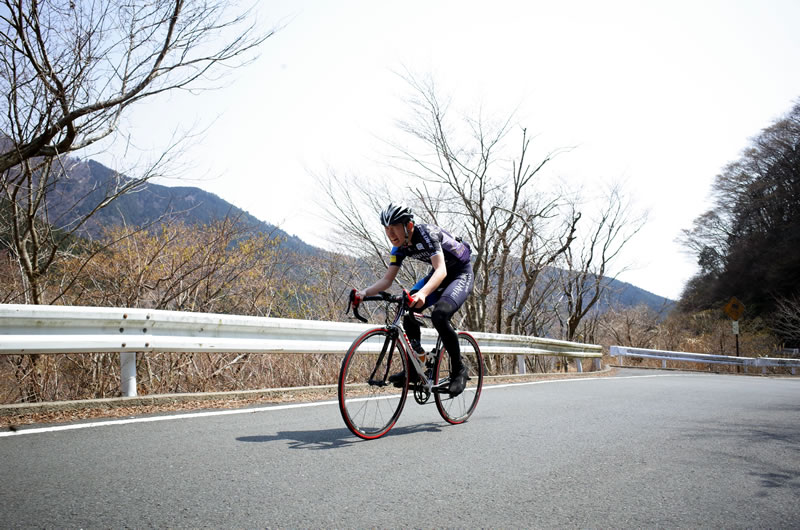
<point x="452" y="298"/>
<point x="444" y="309"/>
<point x="413" y="332"/>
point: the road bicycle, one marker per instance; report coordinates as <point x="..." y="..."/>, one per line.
<point x="370" y="404"/>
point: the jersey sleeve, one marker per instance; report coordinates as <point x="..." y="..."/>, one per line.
<point x="396" y="257"/>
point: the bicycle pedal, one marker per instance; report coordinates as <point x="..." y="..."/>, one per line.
<point x="441" y="388"/>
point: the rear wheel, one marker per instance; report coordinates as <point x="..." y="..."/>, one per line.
<point x="457" y="409"/>
<point x="369" y="404"/>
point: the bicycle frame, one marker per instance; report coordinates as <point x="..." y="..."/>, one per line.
<point x="397" y="332"/>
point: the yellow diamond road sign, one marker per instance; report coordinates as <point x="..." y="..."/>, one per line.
<point x="734" y="308"/>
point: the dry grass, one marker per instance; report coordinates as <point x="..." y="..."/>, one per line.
<point x="39" y="378"/>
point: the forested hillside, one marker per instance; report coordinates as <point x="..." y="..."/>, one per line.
<point x="748" y="244"/>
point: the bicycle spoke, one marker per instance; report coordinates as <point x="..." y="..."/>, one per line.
<point x="371" y="409"/>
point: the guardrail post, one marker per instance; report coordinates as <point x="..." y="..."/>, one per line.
<point x="127" y="373"/>
<point x="520" y="364"/>
<point x="614" y="351"/>
<point x="579" y="364"/>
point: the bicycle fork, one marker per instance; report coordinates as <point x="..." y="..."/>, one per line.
<point x="388" y="344"/>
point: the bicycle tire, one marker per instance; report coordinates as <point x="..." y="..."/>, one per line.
<point x="370" y="409"/>
<point x="458" y="409"/>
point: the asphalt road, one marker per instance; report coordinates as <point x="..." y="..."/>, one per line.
<point x="671" y="451"/>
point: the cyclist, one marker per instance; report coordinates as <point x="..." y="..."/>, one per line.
<point x="446" y="287"/>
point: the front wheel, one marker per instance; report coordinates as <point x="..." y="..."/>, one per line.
<point x="457" y="409"/>
<point x="369" y="403"/>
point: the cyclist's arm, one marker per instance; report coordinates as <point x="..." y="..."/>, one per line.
<point x="384" y="283"/>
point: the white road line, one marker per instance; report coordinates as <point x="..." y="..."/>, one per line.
<point x="504" y="385"/>
<point x="273" y="408"/>
<point x="149" y="419"/>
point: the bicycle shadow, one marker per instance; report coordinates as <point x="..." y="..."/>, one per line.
<point x="332" y="438"/>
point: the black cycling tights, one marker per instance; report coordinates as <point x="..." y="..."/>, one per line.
<point x="442" y="311"/>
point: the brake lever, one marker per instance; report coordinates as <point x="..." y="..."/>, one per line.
<point x="408" y="300"/>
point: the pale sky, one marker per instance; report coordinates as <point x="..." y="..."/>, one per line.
<point x="661" y="95"/>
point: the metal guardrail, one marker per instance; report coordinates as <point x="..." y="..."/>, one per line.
<point x="764" y="362"/>
<point x="32" y="329"/>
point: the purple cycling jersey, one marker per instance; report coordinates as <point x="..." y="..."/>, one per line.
<point x="429" y="240"/>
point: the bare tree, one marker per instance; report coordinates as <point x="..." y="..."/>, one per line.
<point x="464" y="178"/>
<point x="459" y="174"/>
<point x="637" y="327"/>
<point x="70" y="69"/>
<point x="68" y="73"/>
<point x="585" y="269"/>
<point x="786" y="319"/>
<point x="525" y="304"/>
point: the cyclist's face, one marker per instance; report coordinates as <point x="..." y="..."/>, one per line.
<point x="396" y="234"/>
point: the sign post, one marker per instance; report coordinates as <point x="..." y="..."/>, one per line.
<point x="734" y="309"/>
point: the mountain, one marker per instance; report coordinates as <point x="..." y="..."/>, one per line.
<point x="623" y="294"/>
<point x="89" y="181"/>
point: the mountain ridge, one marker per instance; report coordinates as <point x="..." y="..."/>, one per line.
<point x="148" y="205"/>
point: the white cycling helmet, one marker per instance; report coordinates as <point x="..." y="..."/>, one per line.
<point x="396" y="213"/>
